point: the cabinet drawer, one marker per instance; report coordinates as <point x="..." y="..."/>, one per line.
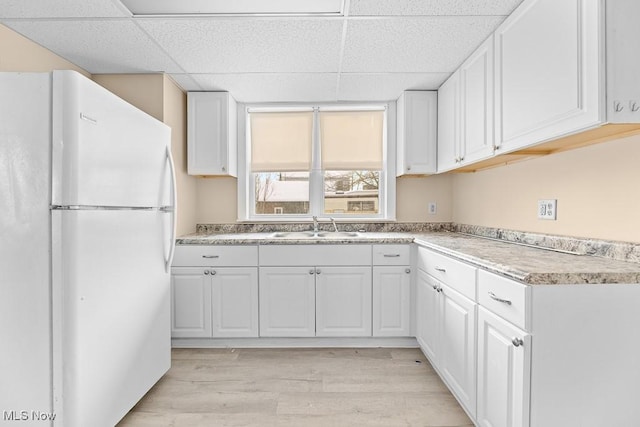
<point x="391" y="255"/>
<point x="504" y="297"/>
<point x="457" y="275"/>
<point x="215" y="256"/>
<point x="313" y="255"/>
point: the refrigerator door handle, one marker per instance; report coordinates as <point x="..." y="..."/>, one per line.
<point x="173" y="209"/>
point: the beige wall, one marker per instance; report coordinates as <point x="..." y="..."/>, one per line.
<point x="175" y="115"/>
<point x="18" y="53"/>
<point x="415" y="194"/>
<point x="596" y="188"/>
<point x="217" y="200"/>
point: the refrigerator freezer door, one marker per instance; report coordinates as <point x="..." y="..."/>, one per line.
<point x="105" y="151"/>
<point x="111" y="324"/>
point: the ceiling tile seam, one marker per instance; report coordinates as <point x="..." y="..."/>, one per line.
<point x="258" y="73"/>
<point x="162" y="49"/>
<point x="187" y="75"/>
<point x="343" y="42"/>
<point x="68" y="19"/>
<point x="118" y="4"/>
<point x="400" y="17"/>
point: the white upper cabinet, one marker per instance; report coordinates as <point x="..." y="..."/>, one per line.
<point x="548" y="72"/>
<point x="416" y="132"/>
<point x="476" y="105"/>
<point x="211" y="133"/>
<point x="555" y="75"/>
<point x="465" y="111"/>
<point x="449" y="123"/>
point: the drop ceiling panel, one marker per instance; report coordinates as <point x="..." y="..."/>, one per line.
<point x="186" y="82"/>
<point x="61" y="9"/>
<point x="385" y="87"/>
<point x="273" y="87"/>
<point x="432" y="7"/>
<point x="99" y="46"/>
<point x="426" y="44"/>
<point x="250" y="44"/>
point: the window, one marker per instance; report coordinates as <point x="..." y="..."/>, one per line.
<point x="327" y="161"/>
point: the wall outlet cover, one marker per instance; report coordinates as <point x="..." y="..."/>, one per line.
<point x="547" y="209"/>
<point x="432" y="208"/>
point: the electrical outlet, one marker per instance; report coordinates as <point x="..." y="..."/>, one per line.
<point x="432" y="208"/>
<point x="547" y="209"/>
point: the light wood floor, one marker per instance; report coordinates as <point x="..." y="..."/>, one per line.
<point x="298" y="388"/>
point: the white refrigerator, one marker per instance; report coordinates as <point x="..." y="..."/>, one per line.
<point x="87" y="230"/>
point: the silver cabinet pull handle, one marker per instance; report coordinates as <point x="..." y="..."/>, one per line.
<point x="391" y="255"/>
<point x="517" y="342"/>
<point x="494" y="297"/>
<point x="311" y="271"/>
<point x="206" y="272"/>
<point x="211" y="256"/>
<point x="407" y="270"/>
<point x="440" y="269"/>
<point x="318" y="271"/>
<point x="213" y="272"/>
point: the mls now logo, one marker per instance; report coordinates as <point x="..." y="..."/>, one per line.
<point x="28" y="416"/>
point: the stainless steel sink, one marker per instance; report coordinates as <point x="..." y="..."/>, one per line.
<point x="338" y="234"/>
<point x="294" y="234"/>
<point x="314" y="235"/>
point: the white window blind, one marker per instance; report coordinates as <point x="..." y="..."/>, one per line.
<point x="281" y="141"/>
<point x="351" y="140"/>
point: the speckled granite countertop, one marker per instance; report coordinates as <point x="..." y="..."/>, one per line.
<point x="526" y="264"/>
<point x="530" y="265"/>
<point x="269" y="239"/>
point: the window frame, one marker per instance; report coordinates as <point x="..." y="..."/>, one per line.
<point x="246" y="184"/>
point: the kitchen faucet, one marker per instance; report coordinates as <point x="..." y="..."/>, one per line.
<point x="335" y="227"/>
<point x="315" y="224"/>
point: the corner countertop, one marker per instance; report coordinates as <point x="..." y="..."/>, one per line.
<point x="527" y="264"/>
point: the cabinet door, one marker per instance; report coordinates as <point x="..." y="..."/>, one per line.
<point x="547" y="71"/>
<point x="287" y="301"/>
<point x="504" y="354"/>
<point x="235" y="302"/>
<point x="417" y="113"/>
<point x="427" y="315"/>
<point x="211" y="133"/>
<point x="190" y="303"/>
<point x="391" y="301"/>
<point x="457" y="358"/>
<point x="449" y="123"/>
<point x="343" y="301"/>
<point x="476" y="105"/>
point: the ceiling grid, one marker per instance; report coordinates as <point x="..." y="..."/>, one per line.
<point x="376" y="50"/>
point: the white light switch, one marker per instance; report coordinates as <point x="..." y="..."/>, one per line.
<point x="547" y="209"/>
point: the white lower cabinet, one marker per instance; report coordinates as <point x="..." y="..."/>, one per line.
<point x="391" y="301"/>
<point x="343" y="301"/>
<point x="446" y="333"/>
<point x="214" y="302"/>
<point x="190" y="303"/>
<point x="287" y="302"/>
<point x="457" y="361"/>
<point x="315" y="301"/>
<point x="504" y="355"/>
<point x="214" y="291"/>
<point x="427" y="319"/>
<point x="234" y="302"/>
